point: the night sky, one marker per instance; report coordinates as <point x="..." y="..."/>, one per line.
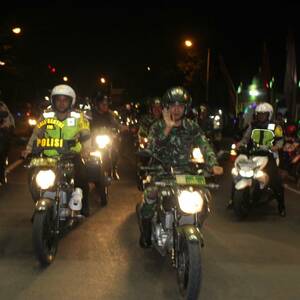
<point x="121" y="39"/>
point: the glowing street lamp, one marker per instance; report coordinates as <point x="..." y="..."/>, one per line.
<point x="102" y="80"/>
<point x="188" y="43"/>
<point x="65" y="78"/>
<point x="16" y="30"/>
<point x="2" y="63"/>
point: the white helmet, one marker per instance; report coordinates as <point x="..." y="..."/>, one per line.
<point x="63" y="90"/>
<point x="265" y="108"/>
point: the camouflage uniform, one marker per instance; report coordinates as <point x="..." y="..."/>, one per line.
<point x="146" y="122"/>
<point x="175" y="150"/>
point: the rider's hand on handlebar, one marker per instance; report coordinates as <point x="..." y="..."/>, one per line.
<point x="217" y="170"/>
<point x="275" y="148"/>
<point x="25" y="153"/>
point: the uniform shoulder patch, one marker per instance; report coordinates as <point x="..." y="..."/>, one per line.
<point x="50" y="114"/>
<point x="75" y="114"/>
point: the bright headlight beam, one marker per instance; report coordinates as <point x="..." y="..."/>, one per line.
<point x="197" y="155"/>
<point x="102" y="141"/>
<point x="190" y="202"/>
<point x="246" y="174"/>
<point x="45" y="179"/>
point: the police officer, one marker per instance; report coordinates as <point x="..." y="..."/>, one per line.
<point x="63" y="122"/>
<point x="264" y="134"/>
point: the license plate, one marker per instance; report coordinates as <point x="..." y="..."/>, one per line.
<point x="190" y="179"/>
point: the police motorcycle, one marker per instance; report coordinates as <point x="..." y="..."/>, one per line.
<point x="182" y="207"/>
<point x="250" y="180"/>
<point x="57" y="201"/>
<point x="99" y="164"/>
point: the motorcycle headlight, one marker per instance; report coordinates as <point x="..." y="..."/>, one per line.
<point x="234" y="172"/>
<point x="246" y="173"/>
<point x="45" y="179"/>
<point x="32" y="122"/>
<point x="197" y="155"/>
<point x="102" y="141"/>
<point x="190" y="202"/>
<point x="96" y="154"/>
<point x="261" y="161"/>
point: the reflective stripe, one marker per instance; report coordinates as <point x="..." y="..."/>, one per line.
<point x="271" y="127"/>
<point x="263" y="137"/>
<point x="75" y="114"/>
<point x="47" y="115"/>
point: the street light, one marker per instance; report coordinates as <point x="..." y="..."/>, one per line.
<point x="65" y="78"/>
<point x="102" y="80"/>
<point x="188" y="43"/>
<point x="2" y="63"/>
<point x="16" y="30"/>
<point x="148" y="68"/>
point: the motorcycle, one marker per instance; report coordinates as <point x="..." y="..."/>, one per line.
<point x="57" y="202"/>
<point x="251" y="182"/>
<point x="182" y="207"/>
<point x="99" y="164"/>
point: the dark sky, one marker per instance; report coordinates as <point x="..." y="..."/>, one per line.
<point x="122" y="38"/>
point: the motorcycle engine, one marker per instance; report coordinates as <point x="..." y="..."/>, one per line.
<point x="162" y="232"/>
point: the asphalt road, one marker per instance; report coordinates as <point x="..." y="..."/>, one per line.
<point x="100" y="259"/>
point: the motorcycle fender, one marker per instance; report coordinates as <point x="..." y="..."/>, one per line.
<point x="243" y="183"/>
<point x="43" y="204"/>
<point x="191" y="234"/>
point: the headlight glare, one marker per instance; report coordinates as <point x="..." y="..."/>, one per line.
<point x="45" y="179"/>
<point x="102" y="141"/>
<point x="246" y="173"/>
<point x="190" y="202"/>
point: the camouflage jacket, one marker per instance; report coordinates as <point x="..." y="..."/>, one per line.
<point x="145" y="123"/>
<point x="176" y="148"/>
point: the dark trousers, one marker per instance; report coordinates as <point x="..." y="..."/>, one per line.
<point x="276" y="182"/>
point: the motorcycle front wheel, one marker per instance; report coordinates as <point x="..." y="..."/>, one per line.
<point x="241" y="203"/>
<point x="189" y="271"/>
<point x="44" y="237"/>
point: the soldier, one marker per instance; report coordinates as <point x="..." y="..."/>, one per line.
<point x="172" y="140"/>
<point x="155" y="114"/>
